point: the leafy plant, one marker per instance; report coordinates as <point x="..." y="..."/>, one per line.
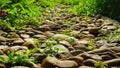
<point x="104" y="7"/>
<point x="20" y="13"/>
<point x="90" y="44"/>
<point x="71" y="40"/>
<point x="5" y="25"/>
<point x="49" y="50"/>
<point x="89" y="47"/>
<point x="100" y="64"/>
<point x="112" y="36"/>
<point x="17" y="58"/>
<point x="37" y="42"/>
<point x="9" y="35"/>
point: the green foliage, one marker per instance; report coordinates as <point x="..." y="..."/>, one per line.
<point x="9" y="35"/>
<point x="20" y="12"/>
<point x="47" y="3"/>
<point x="69" y="2"/>
<point x="92" y="42"/>
<point x="37" y="42"/>
<point x="90" y="45"/>
<point x="5" y="25"/>
<point x="100" y="64"/>
<point x="85" y="7"/>
<point x="17" y="58"/>
<point x="49" y="50"/>
<point x="66" y="32"/>
<point x="4" y="3"/>
<point x="105" y="7"/>
<point x="55" y="38"/>
<point x="71" y="40"/>
<point x="112" y="36"/>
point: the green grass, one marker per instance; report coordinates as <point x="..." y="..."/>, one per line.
<point x="70" y="2"/>
<point x="47" y="3"/>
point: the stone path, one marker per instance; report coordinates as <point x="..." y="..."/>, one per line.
<point x="82" y="42"/>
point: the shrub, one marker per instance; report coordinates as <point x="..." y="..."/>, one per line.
<point x="84" y="7"/>
<point x="105" y="7"/>
<point x="50" y="50"/>
<point x="20" y="13"/>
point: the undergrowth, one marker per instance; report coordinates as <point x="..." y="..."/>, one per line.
<point x="17" y="58"/>
<point x="21" y="13"/>
<point x="70" y="2"/>
<point x="104" y="7"/>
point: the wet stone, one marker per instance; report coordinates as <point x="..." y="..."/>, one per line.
<point x="1" y="52"/>
<point x="101" y="43"/>
<point x="39" y="36"/>
<point x="29" y="43"/>
<point x="89" y="62"/>
<point x="91" y="56"/>
<point x="39" y="57"/>
<point x="30" y="33"/>
<point x="77" y="59"/>
<point x="106" y="57"/>
<point x="64" y="56"/>
<point x="3" y="43"/>
<point x="16" y="48"/>
<point x="80" y="46"/>
<point x="76" y="52"/>
<point x="85" y="67"/>
<point x="94" y="30"/>
<point x="44" y="28"/>
<point x="113" y="62"/>
<point x="2" y="66"/>
<point x="18" y="41"/>
<point x="19" y="67"/>
<point x="71" y="48"/>
<point x="53" y="62"/>
<point x="25" y="36"/>
<point x="65" y="43"/>
<point x="2" y="39"/>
